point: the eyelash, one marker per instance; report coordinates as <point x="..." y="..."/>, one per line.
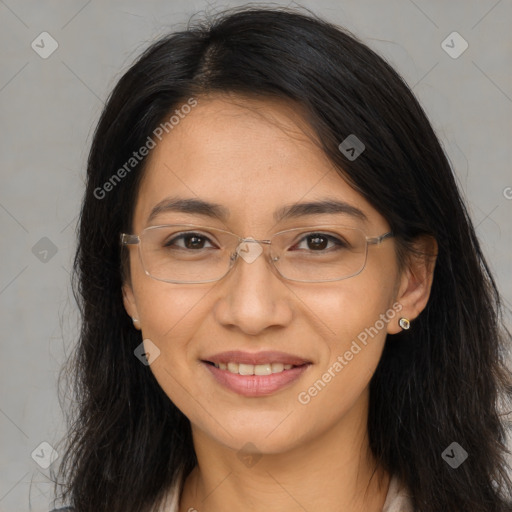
<point x="335" y="240"/>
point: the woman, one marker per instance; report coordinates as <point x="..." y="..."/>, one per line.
<point x="284" y="302"/>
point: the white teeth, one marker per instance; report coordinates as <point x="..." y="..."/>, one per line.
<point x="263" y="369"/>
<point x="245" y="369"/>
<point x="254" y="369"/>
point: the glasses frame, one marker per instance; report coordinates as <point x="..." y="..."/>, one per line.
<point x="133" y="239"/>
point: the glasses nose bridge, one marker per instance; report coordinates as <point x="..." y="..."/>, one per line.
<point x="247" y="254"/>
<point x="251" y="239"/>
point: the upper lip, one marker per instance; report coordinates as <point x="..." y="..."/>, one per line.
<point x="237" y="356"/>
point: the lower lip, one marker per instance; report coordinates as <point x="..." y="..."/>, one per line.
<point x="256" y="385"/>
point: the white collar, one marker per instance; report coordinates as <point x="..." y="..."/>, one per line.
<point x="397" y="498"/>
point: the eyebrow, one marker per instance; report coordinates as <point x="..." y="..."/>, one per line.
<point x="290" y="211"/>
<point x="323" y="206"/>
<point x="189" y="205"/>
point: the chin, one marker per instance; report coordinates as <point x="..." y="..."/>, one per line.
<point x="264" y="437"/>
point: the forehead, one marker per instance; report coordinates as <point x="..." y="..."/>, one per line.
<point x="252" y="156"/>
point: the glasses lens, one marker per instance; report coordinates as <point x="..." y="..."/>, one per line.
<point x="328" y="253"/>
<point x="186" y="254"/>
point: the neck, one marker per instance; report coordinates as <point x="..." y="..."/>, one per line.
<point x="334" y="471"/>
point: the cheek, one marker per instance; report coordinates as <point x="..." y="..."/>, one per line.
<point x="352" y="353"/>
<point x="354" y="315"/>
<point x="170" y="315"/>
<point x="164" y="308"/>
<point x="342" y="310"/>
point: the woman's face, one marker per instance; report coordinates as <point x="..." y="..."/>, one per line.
<point x="252" y="158"/>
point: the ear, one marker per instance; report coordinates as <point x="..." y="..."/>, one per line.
<point x="415" y="281"/>
<point x="130" y="305"/>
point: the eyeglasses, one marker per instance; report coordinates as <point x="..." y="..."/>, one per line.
<point x="188" y="253"/>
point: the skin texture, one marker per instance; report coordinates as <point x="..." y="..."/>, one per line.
<point x="253" y="156"/>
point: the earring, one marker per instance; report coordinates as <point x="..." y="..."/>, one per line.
<point x="404" y="323"/>
<point x="135" y="322"/>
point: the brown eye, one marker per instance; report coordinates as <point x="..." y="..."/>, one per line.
<point x="194" y="241"/>
<point x="319" y="242"/>
<point x="190" y="241"/>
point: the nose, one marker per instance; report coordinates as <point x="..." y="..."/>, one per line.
<point x="253" y="297"/>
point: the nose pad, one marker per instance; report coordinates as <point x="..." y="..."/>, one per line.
<point x="249" y="249"/>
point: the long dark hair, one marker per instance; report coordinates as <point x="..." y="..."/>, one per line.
<point x="443" y="381"/>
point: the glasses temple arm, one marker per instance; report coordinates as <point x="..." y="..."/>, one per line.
<point x="378" y="239"/>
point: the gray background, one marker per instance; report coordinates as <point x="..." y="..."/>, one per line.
<point x="49" y="108"/>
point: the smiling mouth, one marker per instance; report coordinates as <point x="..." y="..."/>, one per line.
<point x="254" y="369"/>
